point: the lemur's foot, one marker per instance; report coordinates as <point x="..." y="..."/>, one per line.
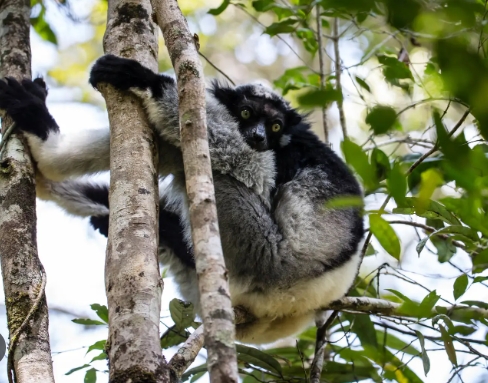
<point x="25" y="102"/>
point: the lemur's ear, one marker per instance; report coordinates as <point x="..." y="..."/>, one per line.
<point x="224" y="93"/>
<point x="293" y="117"/>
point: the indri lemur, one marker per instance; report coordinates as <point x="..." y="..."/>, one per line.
<point x="287" y="253"/>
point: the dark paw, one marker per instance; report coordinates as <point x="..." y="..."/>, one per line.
<point x="25" y="103"/>
<point x="121" y="73"/>
<point x="100" y="223"/>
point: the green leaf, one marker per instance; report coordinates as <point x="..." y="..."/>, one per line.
<point x="460" y="286"/>
<point x="258" y="358"/>
<point x="193" y="371"/>
<point x="395" y="70"/>
<point x="285" y="26"/>
<point x="420" y="246"/>
<point x="397" y="184"/>
<point x="427" y="304"/>
<point x="370" y="250"/>
<point x="480" y="304"/>
<point x="221" y="8"/>
<point x="173" y="336"/>
<point x="357" y="158"/>
<point x="425" y="357"/>
<point x="449" y="346"/>
<point x="381" y="119"/>
<point x="88" y="322"/>
<point x="100" y="345"/>
<point x="385" y="235"/>
<point x="262" y="5"/>
<point x="42" y="27"/>
<point x="363" y="84"/>
<point x="90" y="376"/>
<point x="101" y="356"/>
<point x="344" y="202"/>
<point x="319" y="97"/>
<point x="381" y="163"/>
<point x="77" y="369"/>
<point x="182" y="313"/>
<point x="101" y="310"/>
<point x="364" y="329"/>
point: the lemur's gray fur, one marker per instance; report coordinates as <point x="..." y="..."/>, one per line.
<point x="282" y="250"/>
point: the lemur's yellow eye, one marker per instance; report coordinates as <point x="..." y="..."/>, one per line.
<point x="276" y="127"/>
<point x="245" y="114"/>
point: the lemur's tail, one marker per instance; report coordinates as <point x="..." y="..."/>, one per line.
<point x="78" y="197"/>
<point x="85" y="198"/>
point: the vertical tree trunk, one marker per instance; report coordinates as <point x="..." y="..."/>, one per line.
<point x="23" y="274"/>
<point x="217" y="313"/>
<point x="132" y="278"/>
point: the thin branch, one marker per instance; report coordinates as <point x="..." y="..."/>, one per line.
<point x="427" y="228"/>
<point x="436" y="146"/>
<point x="278" y="36"/>
<point x="321" y="69"/>
<point x="216" y="68"/>
<point x="187" y="353"/>
<point x="338" y="69"/>
<point x="320" y="344"/>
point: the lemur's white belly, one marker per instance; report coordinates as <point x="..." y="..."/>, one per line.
<point x="301" y="298"/>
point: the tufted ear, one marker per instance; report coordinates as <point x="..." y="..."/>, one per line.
<point x="225" y="94"/>
<point x="293" y="118"/>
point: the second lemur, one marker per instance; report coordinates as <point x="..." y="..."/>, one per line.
<point x="287" y="253"/>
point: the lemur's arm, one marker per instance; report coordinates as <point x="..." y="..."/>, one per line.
<point x="58" y="156"/>
<point x="228" y="151"/>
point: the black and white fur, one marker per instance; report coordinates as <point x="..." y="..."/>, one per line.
<point x="287" y="253"/>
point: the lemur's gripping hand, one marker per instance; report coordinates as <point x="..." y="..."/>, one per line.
<point x="122" y="73"/>
<point x="25" y="103"/>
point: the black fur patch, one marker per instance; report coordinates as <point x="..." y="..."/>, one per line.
<point x="170" y="228"/>
<point x="305" y="150"/>
<point x="125" y="73"/>
<point x="25" y="103"/>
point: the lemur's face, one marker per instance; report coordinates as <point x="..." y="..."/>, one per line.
<point x="265" y="119"/>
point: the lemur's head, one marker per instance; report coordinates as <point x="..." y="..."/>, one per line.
<point x="266" y="120"/>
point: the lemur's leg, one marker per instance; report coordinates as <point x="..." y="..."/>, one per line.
<point x="58" y="156"/>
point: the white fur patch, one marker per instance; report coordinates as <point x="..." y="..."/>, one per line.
<point x="285" y="140"/>
<point x="284" y="312"/>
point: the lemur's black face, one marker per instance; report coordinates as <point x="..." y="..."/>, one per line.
<point x="265" y="120"/>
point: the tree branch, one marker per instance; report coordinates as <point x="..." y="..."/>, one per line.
<point x="216" y="307"/>
<point x="338" y="72"/>
<point x="187" y="353"/>
<point x="321" y="69"/>
<point x="132" y="279"/>
<point x="24" y="279"/>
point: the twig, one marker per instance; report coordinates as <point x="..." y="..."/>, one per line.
<point x="5" y="137"/>
<point x="342" y="117"/>
<point x="278" y="36"/>
<point x="15" y="336"/>
<point x="216" y="68"/>
<point x="320" y="344"/>
<point x="427" y="228"/>
<point x="321" y="69"/>
<point x="187" y="353"/>
<point x="436" y="146"/>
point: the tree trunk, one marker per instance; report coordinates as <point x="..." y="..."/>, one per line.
<point x="132" y="277"/>
<point x="217" y="313"/>
<point x="23" y="275"/>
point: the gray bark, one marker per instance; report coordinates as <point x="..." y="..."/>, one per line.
<point x="23" y="274"/>
<point x="132" y="277"/>
<point x="217" y="313"/>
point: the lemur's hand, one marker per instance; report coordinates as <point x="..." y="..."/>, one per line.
<point x="121" y="73"/>
<point x="25" y="103"/>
